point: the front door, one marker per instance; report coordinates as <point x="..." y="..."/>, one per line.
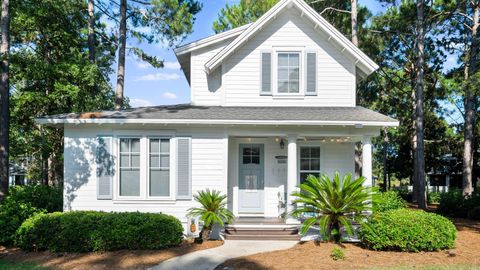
<point x="251" y="179"/>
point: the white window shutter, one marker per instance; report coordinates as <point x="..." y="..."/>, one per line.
<point x="311" y="74"/>
<point x="184" y="168"/>
<point x="105" y="167"/>
<point x="266" y="73"/>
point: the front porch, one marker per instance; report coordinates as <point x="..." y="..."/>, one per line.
<point x="264" y="170"/>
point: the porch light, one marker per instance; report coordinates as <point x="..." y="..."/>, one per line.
<point x="282" y="144"/>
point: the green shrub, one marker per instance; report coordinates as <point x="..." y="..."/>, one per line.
<point x="454" y="204"/>
<point x="405" y="193"/>
<point x="407" y="230"/>
<point x="434" y="197"/>
<point x="84" y="231"/>
<point x="474" y="213"/>
<point x="23" y="202"/>
<point x="337" y="254"/>
<point x="386" y="201"/>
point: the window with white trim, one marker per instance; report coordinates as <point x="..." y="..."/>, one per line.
<point x="309" y="162"/>
<point x="288" y="73"/>
<point x="129" y="167"/>
<point x="159" y="167"/>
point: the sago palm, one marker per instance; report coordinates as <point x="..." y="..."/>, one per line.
<point x="213" y="210"/>
<point x="332" y="204"/>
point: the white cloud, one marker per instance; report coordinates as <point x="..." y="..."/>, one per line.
<point x="169" y="95"/>
<point x="171" y="65"/>
<point x="143" y="65"/>
<point x="159" y="77"/>
<point x="137" y="102"/>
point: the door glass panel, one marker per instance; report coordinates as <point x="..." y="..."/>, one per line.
<point x="251" y="182"/>
<point x="255" y="160"/>
<point x="251" y="155"/>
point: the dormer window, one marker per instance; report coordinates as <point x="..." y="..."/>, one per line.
<point x="288" y="74"/>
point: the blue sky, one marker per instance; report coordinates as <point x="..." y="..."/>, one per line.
<point x="147" y="86"/>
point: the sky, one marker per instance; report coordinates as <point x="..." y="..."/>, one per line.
<point x="148" y="86"/>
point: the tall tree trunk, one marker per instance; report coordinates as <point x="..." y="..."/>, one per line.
<point x="419" y="118"/>
<point x="353" y="15"/>
<point x="4" y="97"/>
<point x="470" y="106"/>
<point x="121" y="55"/>
<point x="91" y="30"/>
<point x="386" y="180"/>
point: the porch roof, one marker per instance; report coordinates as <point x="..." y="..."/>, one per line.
<point x="246" y="115"/>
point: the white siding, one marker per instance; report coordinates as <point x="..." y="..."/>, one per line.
<point x="337" y="157"/>
<point x="206" y="90"/>
<point x="241" y="71"/>
<point x="209" y="170"/>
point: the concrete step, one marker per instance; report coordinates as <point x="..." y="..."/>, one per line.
<point x="295" y="237"/>
<point x="261" y="231"/>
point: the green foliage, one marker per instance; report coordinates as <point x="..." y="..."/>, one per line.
<point x="337" y="254"/>
<point x="386" y="201"/>
<point x="434" y="197"/>
<point x="20" y="266"/>
<point x="247" y="11"/>
<point x="407" y="230"/>
<point x="332" y="203"/>
<point x="454" y="204"/>
<point x="213" y="210"/>
<point x="85" y="231"/>
<point x="23" y="202"/>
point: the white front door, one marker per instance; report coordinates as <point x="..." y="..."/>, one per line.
<point x="251" y="179"/>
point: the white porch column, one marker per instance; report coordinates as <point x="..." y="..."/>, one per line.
<point x="291" y="176"/>
<point x="367" y="160"/>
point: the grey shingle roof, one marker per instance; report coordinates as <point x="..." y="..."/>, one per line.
<point x="191" y="112"/>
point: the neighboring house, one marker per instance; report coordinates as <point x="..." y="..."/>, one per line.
<point x="271" y="102"/>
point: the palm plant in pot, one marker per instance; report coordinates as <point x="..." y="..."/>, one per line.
<point x="212" y="211"/>
<point x="332" y="204"/>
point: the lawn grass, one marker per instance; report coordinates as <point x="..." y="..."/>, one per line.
<point x="4" y="265"/>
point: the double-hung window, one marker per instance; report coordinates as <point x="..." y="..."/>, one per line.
<point x="288" y="73"/>
<point x="159" y="167"/>
<point x="129" y="167"/>
<point x="309" y="162"/>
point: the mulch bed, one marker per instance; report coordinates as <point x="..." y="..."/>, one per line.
<point x="310" y="255"/>
<point x="123" y="259"/>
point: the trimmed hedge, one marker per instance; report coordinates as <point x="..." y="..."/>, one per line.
<point x="386" y="201"/>
<point x="23" y="202"/>
<point x="408" y="230"/>
<point x="84" y="231"/>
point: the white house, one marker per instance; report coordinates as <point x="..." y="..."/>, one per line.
<point x="271" y="102"/>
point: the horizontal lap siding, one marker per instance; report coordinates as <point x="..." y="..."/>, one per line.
<point x="338" y="157"/>
<point x="336" y="73"/>
<point x="202" y="91"/>
<point x="80" y="189"/>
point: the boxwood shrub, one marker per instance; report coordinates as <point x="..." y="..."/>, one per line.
<point x="83" y="231"/>
<point x="389" y="200"/>
<point x="23" y="202"/>
<point x="407" y="230"/>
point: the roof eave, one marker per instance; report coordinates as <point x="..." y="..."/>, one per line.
<point x="76" y="121"/>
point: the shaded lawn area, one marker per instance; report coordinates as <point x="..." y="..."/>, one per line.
<point x="310" y="255"/>
<point x="4" y="265"/>
<point x="123" y="259"/>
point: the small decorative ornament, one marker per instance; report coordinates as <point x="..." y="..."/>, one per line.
<point x="193" y="227"/>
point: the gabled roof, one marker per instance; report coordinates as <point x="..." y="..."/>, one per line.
<point x="363" y="62"/>
<point x="195" y="45"/>
<point x="219" y="115"/>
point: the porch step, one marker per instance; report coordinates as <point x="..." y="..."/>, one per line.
<point x="263" y="231"/>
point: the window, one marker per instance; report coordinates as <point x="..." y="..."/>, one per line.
<point x="159" y="167"/>
<point x="288" y="75"/>
<point x="309" y="162"/>
<point x="130" y="167"/>
<point x="251" y="155"/>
